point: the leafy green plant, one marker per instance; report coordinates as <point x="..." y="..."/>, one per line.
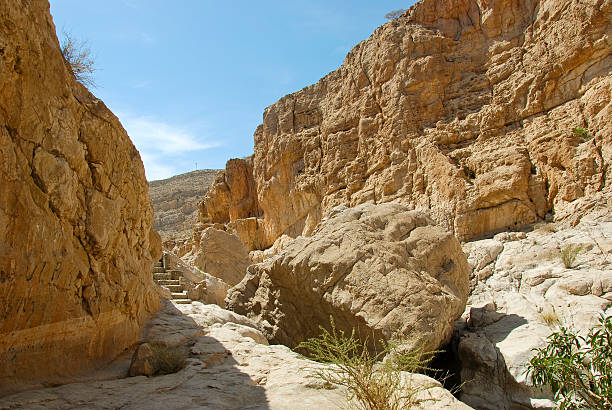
<point x="371" y="383"/>
<point x="577" y="369"/>
<point x="569" y="254"/>
<point x="167" y="359"/>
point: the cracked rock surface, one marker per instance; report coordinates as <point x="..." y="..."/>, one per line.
<point x="522" y="292"/>
<point x="383" y="270"/>
<point x="76" y="245"/>
<point x="230" y="366"/>
<point x="465" y="108"/>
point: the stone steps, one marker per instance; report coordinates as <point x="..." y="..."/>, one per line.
<point x="166" y="282"/>
<point x="162" y="276"/>
<point x="174" y="288"/>
<point x="169" y="279"/>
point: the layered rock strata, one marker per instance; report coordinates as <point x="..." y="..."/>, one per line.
<point x="381" y="270"/>
<point x="175" y="202"/>
<point x="75" y="216"/>
<point x="465" y="108"/>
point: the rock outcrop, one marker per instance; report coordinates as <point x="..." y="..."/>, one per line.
<point x="222" y="255"/>
<point x="522" y="292"/>
<point x="230" y="366"/>
<point x="75" y="215"/>
<point x="383" y="270"/>
<point x="175" y="202"/>
<point x="465" y="108"/>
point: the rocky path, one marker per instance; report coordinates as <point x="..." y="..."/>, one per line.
<point x="230" y="366"/>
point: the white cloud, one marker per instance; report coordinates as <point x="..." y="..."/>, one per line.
<point x="161" y="144"/>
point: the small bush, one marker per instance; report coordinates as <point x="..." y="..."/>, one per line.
<point x="167" y="359"/>
<point x="582" y="133"/>
<point x="370" y="383"/>
<point x="569" y="254"/>
<point x="79" y="58"/>
<point x="577" y="369"/>
<point x="392" y="15"/>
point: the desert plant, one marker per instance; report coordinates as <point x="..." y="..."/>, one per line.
<point x="392" y="15"/>
<point x="371" y="383"/>
<point x="569" y="254"/>
<point x="78" y="56"/>
<point x="550" y="317"/>
<point x="577" y="369"/>
<point x="167" y="359"/>
<point x="582" y="133"/>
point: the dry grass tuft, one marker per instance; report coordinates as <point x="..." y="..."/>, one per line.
<point x="550" y="317"/>
<point x="167" y="359"/>
<point x="569" y="255"/>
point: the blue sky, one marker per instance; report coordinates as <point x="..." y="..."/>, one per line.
<point x="190" y="79"/>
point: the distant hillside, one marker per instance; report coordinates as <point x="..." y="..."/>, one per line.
<point x="175" y="201"/>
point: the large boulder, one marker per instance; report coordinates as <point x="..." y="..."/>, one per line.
<point x="75" y="217"/>
<point x="222" y="255"/>
<point x="383" y="270"/>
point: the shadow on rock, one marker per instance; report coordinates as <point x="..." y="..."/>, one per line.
<point x="211" y="378"/>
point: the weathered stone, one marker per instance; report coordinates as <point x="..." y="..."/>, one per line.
<point x="230" y="367"/>
<point x="222" y="255"/>
<point x="383" y="270"/>
<point x="75" y="216"/>
<point x="142" y="361"/>
<point x="465" y="108"/>
<point x="232" y="195"/>
<point x="530" y="294"/>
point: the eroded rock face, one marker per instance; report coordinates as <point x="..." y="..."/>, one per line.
<point x="75" y="216"/>
<point x="232" y="195"/>
<point x="465" y="108"/>
<point x="383" y="270"/>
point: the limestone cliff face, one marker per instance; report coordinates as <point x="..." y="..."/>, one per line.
<point x="75" y="215"/>
<point x="465" y="108"/>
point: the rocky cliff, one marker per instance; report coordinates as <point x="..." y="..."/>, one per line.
<point x="175" y="202"/>
<point x="489" y="115"/>
<point x="75" y="215"/>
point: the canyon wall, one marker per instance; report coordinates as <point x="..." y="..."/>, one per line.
<point x="464" y="108"/>
<point x="75" y="215"/>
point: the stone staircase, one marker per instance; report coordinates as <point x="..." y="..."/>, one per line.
<point x="170" y="280"/>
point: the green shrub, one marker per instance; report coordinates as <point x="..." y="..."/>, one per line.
<point x="371" y="383"/>
<point x="167" y="359"/>
<point x="582" y="133"/>
<point x="569" y="254"/>
<point x="577" y="369"/>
